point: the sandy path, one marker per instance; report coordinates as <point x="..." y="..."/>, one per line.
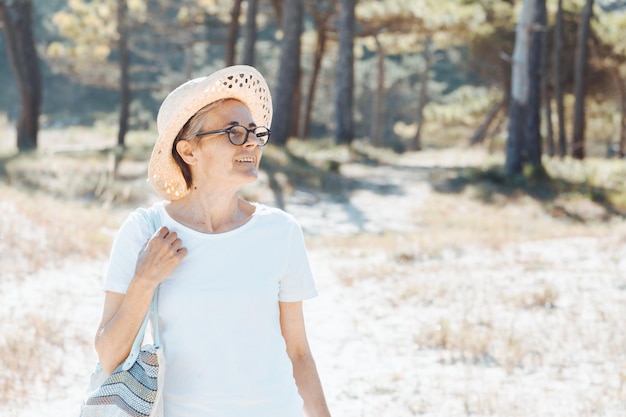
<point x="461" y="336"/>
<point x="533" y="329"/>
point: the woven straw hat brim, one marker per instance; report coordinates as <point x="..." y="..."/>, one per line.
<point x="240" y="82"/>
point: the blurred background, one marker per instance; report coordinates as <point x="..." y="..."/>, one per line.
<point x="407" y="74"/>
<point x="457" y="167"/>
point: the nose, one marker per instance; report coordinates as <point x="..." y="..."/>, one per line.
<point x="252" y="139"/>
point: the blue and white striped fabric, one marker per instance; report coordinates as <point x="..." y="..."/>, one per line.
<point x="135" y="392"/>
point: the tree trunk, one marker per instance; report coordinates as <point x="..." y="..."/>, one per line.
<point x="620" y="84"/>
<point x="622" y="141"/>
<point x="558" y="80"/>
<point x="416" y="144"/>
<point x="377" y="111"/>
<point x="501" y="121"/>
<point x="278" y="6"/>
<point x="514" y="158"/>
<point x="545" y="93"/>
<point x="519" y="91"/>
<point x="294" y="123"/>
<point x="320" y="48"/>
<point x="188" y="62"/>
<point x="124" y="62"/>
<point x="284" y="103"/>
<point x="233" y="33"/>
<point x="250" y="32"/>
<point x="580" y="72"/>
<point x="532" y="134"/>
<point x="17" y="26"/>
<point x="344" y="86"/>
<point x="481" y="132"/>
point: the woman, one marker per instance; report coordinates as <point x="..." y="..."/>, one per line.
<point x="232" y="274"/>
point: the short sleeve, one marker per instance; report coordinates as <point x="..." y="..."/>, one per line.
<point x="297" y="283"/>
<point x="129" y="241"/>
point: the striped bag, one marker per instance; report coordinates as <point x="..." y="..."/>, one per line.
<point x="133" y="389"/>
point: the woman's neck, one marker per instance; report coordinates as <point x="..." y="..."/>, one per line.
<point x="211" y="211"/>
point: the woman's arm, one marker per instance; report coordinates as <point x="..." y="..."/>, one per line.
<point x="123" y="313"/>
<point x="304" y="369"/>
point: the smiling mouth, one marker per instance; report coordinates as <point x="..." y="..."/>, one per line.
<point x="246" y="159"/>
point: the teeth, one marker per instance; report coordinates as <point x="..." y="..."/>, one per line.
<point x="246" y="159"/>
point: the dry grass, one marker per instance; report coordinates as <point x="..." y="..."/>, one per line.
<point x="495" y="299"/>
<point x="39" y="230"/>
<point x="32" y="357"/>
<point x="500" y="303"/>
<point x="42" y="234"/>
<point x="449" y="224"/>
<point x="497" y="313"/>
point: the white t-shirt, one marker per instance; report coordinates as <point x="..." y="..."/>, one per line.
<point x="218" y="313"/>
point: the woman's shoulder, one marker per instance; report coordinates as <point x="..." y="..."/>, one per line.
<point x="274" y="214"/>
<point x="145" y="219"/>
<point x="147" y="213"/>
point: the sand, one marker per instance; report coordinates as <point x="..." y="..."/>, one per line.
<point x="532" y="328"/>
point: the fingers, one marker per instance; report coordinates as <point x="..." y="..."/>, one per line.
<point x="161" y="255"/>
<point x="162" y="232"/>
<point x="170" y="238"/>
<point x="176" y="244"/>
<point x="165" y="241"/>
<point x="165" y="234"/>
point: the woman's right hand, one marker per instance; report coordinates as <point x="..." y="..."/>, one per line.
<point x="159" y="257"/>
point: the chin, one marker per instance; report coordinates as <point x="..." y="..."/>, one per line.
<point x="250" y="176"/>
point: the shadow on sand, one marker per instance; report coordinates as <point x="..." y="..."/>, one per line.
<point x="490" y="184"/>
<point x="303" y="182"/>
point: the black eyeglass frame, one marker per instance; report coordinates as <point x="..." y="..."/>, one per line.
<point x="228" y="130"/>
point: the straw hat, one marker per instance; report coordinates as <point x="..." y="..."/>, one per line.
<point x="240" y="82"/>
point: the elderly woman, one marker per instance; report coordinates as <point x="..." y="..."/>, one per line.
<point x="231" y="274"/>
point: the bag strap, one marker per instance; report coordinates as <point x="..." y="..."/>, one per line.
<point x="153" y="221"/>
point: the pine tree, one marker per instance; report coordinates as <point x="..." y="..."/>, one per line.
<point x="17" y="25"/>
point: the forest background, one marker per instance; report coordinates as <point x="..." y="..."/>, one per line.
<point x="457" y="167"/>
<point x="394" y="71"/>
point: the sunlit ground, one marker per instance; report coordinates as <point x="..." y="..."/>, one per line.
<point x="443" y="290"/>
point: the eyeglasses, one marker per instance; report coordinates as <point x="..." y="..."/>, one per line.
<point x="238" y="135"/>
